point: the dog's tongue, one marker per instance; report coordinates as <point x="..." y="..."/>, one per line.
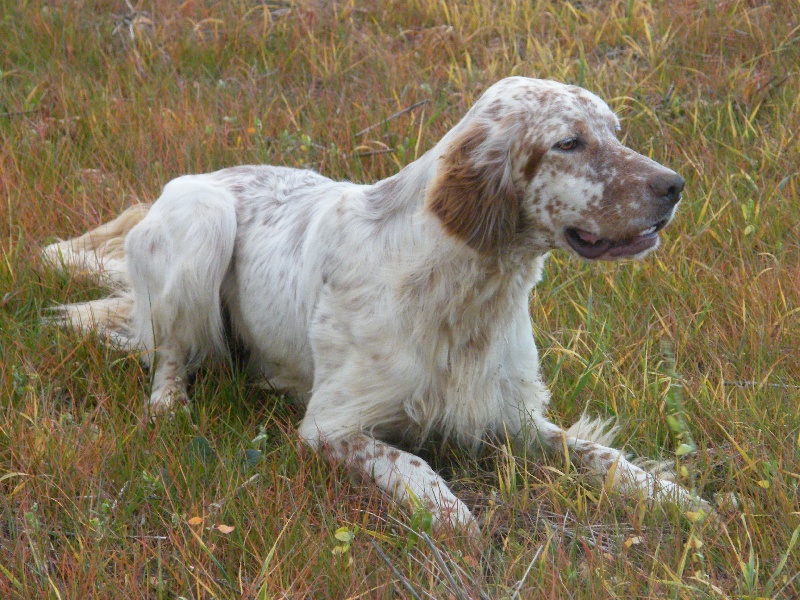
<point x="587" y="244"/>
<point x="588" y="237"/>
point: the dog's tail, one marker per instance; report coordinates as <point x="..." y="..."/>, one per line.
<point x="99" y="255"/>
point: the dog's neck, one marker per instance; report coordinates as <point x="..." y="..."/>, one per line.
<point x="438" y="266"/>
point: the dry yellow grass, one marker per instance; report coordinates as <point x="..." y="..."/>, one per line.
<point x="101" y="103"/>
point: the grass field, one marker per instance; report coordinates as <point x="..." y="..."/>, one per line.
<point x="102" y="103"/>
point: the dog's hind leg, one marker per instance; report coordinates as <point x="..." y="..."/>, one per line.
<point x="100" y="253"/>
<point x="177" y="257"/>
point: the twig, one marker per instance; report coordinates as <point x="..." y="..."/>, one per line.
<point x="215" y="507"/>
<point x="752" y="384"/>
<point x="668" y="96"/>
<point x="394" y="116"/>
<point x="425" y="564"/>
<point x="374" y="152"/>
<point x="455" y="588"/>
<point x="14" y="113"/>
<point x="773" y="84"/>
<point x="519" y="584"/>
<point x="788" y="583"/>
<point x="397" y="573"/>
<point x="122" y="491"/>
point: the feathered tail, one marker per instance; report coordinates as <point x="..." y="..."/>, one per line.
<point x="100" y="255"/>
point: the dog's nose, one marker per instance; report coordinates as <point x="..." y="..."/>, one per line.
<point x="668" y="187"/>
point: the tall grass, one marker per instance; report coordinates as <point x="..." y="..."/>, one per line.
<point x="103" y="102"/>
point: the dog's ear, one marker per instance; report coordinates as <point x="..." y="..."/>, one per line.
<point x="473" y="193"/>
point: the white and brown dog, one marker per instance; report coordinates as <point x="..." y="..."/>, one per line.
<point x="396" y="309"/>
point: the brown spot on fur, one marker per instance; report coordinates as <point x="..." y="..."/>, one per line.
<point x="359" y="444"/>
<point x="393" y="455"/>
<point x="532" y="165"/>
<point x="496" y="109"/>
<point x="477" y="343"/>
<point x="415" y="463"/>
<point x="473" y="193"/>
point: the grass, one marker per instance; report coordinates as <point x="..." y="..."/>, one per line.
<point x="101" y="104"/>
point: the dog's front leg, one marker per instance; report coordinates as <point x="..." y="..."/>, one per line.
<point x="586" y="442"/>
<point x="407" y="478"/>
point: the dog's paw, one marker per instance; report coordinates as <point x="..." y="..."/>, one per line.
<point x="453" y="516"/>
<point x="165" y="401"/>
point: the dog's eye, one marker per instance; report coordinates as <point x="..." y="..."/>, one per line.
<point x="567" y="144"/>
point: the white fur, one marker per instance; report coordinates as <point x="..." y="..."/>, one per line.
<point x="387" y="319"/>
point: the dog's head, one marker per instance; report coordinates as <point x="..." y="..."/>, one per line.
<point x="538" y="163"/>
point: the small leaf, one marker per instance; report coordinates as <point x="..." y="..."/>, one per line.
<point x="226" y="529"/>
<point x="200" y="448"/>
<point x="343" y="534"/>
<point x="674" y="423"/>
<point x="471" y="561"/>
<point x="763" y="483"/>
<point x="252" y="457"/>
<point x="695" y="516"/>
<point x="632" y="541"/>
<point x="684" y="449"/>
<point x="422" y="520"/>
<point x="195" y="521"/>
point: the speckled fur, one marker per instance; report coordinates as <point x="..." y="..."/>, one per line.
<point x="392" y="310"/>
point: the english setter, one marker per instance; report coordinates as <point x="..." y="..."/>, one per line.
<point x="392" y="310"/>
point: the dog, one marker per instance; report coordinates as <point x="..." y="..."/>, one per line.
<point x="395" y="310"/>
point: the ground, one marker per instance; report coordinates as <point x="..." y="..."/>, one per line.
<point x="694" y="349"/>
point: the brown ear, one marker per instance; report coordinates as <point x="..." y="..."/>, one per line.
<point x="473" y="193"/>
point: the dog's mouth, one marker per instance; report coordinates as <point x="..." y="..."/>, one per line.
<point x="591" y="246"/>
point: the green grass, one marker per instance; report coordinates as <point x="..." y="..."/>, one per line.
<point x="100" y="106"/>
